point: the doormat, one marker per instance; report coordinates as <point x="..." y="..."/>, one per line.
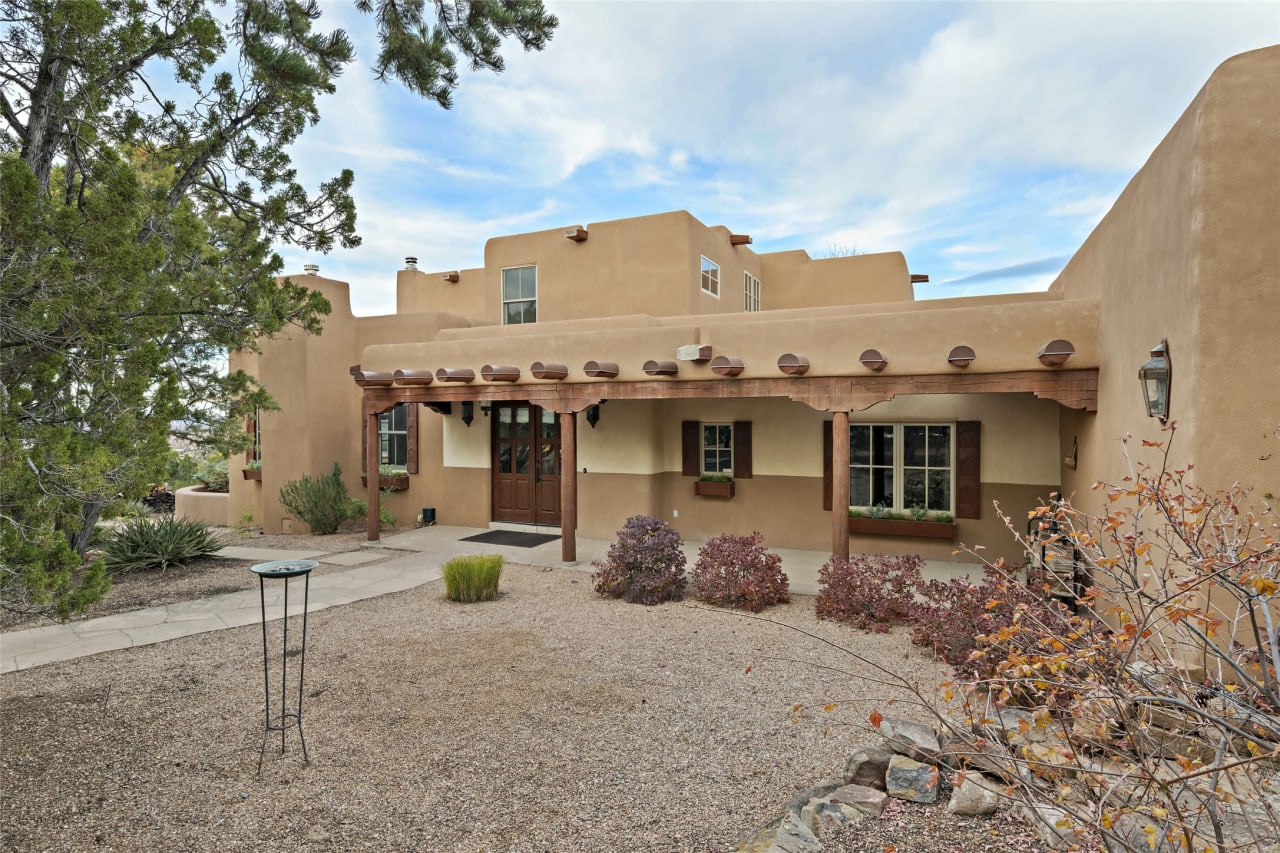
<point x="511" y="538"/>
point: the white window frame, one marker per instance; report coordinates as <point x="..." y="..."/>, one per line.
<point x="386" y="420"/>
<point x="702" y="447"/>
<point x="899" y="467"/>
<point x="502" y="284"/>
<point x="710" y="277"/>
<point x="751" y="292"/>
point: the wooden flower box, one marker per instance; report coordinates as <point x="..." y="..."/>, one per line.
<point x="398" y="483"/>
<point x="252" y="473"/>
<point x="713" y="490"/>
<point x="903" y="527"/>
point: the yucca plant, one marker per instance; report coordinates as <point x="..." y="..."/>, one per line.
<point x="145" y="544"/>
<point x="473" y="578"/>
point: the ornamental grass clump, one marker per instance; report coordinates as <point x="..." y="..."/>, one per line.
<point x="473" y="578"/>
<point x="737" y="571"/>
<point x="645" y="565"/>
<point x="144" y="544"/>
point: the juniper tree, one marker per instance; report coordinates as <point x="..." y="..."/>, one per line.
<point x="137" y="225"/>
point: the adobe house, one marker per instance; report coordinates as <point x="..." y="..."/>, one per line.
<point x="659" y="365"/>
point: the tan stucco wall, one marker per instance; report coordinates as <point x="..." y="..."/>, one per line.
<point x="195" y="503"/>
<point x="1191" y="252"/>
<point x="792" y="279"/>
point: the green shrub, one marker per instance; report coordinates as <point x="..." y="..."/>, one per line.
<point x="322" y="502"/>
<point x="391" y="471"/>
<point x="919" y="513"/>
<point x="716" y="478"/>
<point x="473" y="578"/>
<point x="145" y="544"/>
<point x="357" y="508"/>
<point x="213" y="473"/>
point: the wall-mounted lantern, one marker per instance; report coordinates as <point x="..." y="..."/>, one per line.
<point x="1155" y="377"/>
<point x="593" y="415"/>
<point x="468" y="412"/>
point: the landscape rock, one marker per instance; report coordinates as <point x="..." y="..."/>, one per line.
<point x="975" y="795"/>
<point x="863" y="799"/>
<point x="822" y="816"/>
<point x="785" y="834"/>
<point x="911" y="780"/>
<point x="914" y="740"/>
<point x="867" y="767"/>
<point x="1131" y="833"/>
<point x="817" y="792"/>
<point x="1054" y="825"/>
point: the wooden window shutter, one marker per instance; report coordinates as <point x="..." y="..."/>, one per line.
<point x="690" y="448"/>
<point x="968" y="469"/>
<point x="411" y="437"/>
<point x="742" y="450"/>
<point x="828" y="450"/>
<point x="364" y="444"/>
<point x="251" y="427"/>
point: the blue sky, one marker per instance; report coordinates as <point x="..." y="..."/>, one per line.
<point x="983" y="140"/>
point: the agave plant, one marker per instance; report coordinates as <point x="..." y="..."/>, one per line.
<point x="145" y="544"/>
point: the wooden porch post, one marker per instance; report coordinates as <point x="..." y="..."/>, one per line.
<point x="840" y="485"/>
<point x="568" y="486"/>
<point x="372" y="528"/>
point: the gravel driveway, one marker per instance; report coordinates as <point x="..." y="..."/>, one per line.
<point x="551" y="719"/>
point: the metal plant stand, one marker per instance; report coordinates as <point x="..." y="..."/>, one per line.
<point x="285" y="719"/>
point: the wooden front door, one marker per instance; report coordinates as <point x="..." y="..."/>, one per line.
<point x="526" y="464"/>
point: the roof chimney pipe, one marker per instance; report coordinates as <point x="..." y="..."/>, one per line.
<point x="311" y="269"/>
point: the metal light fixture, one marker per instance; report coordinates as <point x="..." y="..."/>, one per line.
<point x="485" y="408"/>
<point x="1155" y="377"/>
<point x="468" y="412"/>
<point x="593" y="415"/>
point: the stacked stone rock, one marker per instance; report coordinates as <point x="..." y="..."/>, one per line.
<point x="906" y="767"/>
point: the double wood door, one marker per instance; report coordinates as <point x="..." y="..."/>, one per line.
<point x="526" y="463"/>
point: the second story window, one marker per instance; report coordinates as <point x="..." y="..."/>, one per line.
<point x="751" y="300"/>
<point x="519" y="295"/>
<point x="710" y="276"/>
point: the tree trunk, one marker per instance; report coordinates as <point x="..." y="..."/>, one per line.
<point x="40" y="142"/>
<point x="90" y="511"/>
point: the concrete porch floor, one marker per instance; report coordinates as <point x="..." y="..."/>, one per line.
<point x="801" y="567"/>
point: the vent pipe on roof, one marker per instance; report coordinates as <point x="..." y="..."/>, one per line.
<point x="411" y="263"/>
<point x="311" y="269"/>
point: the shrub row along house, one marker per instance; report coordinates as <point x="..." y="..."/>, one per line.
<point x="658" y="365"/>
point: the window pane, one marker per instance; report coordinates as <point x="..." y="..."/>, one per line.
<point x="709" y="460"/>
<point x="548" y="431"/>
<point x="940" y="490"/>
<point x="513" y="313"/>
<point x="384" y="449"/>
<point x="522" y="459"/>
<point x="547" y="459"/>
<point x="913" y="488"/>
<point x="504" y="458"/>
<point x="913" y="446"/>
<point x="725" y="438"/>
<point x="400" y="417"/>
<point x="726" y="460"/>
<point x="860" y="445"/>
<point x="522" y="423"/>
<point x="399" y="449"/>
<point x="882" y="486"/>
<point x="504" y="423"/>
<point x="384" y="422"/>
<point x="859" y="487"/>
<point x="939" y="446"/>
<point x="708" y="435"/>
<point x="882" y="445"/>
<point x="511" y="284"/>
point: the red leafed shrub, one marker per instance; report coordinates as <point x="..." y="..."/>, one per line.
<point x="868" y="591"/>
<point x="645" y="565"/>
<point x="956" y="617"/>
<point x="737" y="571"/>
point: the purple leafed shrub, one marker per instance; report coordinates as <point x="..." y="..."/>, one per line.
<point x="737" y="571"/>
<point x="871" y="592"/>
<point x="645" y="565"/>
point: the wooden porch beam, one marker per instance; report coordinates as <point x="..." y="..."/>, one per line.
<point x="568" y="487"/>
<point x="372" y="529"/>
<point x="840" y="485"/>
<point x="1076" y="389"/>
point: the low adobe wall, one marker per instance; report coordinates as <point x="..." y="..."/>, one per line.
<point x="210" y="507"/>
